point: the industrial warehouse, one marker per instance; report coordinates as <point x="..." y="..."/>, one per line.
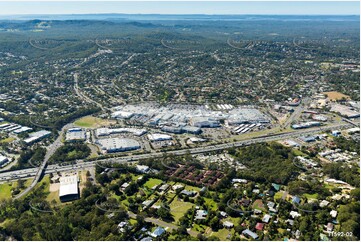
<point x="111" y="145"/>
<point x="68" y="189"/>
<point x="75" y="134"/>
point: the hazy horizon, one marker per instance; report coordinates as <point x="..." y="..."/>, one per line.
<point x="182" y="8"/>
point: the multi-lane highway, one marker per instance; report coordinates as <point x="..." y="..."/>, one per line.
<point x="31" y="172"/>
<point x="39" y="171"/>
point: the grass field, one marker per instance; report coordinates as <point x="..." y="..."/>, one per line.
<point x="199" y="228"/>
<point x="5" y="190"/>
<point x="179" y="208"/>
<point x="222" y="234"/>
<point x="152" y="182"/>
<point x="298" y="152"/>
<point x="258" y="204"/>
<point x="334" y="96"/>
<point x="7" y="140"/>
<point x="212" y="204"/>
<point x="52" y="195"/>
<point x="311" y="196"/>
<point x="92" y="122"/>
<point x="191" y="188"/>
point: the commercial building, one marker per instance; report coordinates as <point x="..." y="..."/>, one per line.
<point x="192" y="130"/>
<point x="22" y="130"/>
<point x="107" y="131"/>
<point x="172" y="129"/>
<point x="36" y="136"/>
<point x="181" y="130"/>
<point x="75" y="134"/>
<point x="118" y="144"/>
<point x="179" y="115"/>
<point x="246" y="115"/>
<point x="3" y="160"/>
<point x="319" y="117"/>
<point x="122" y="115"/>
<point x="308" y="139"/>
<point x="68" y="189"/>
<point x="205" y="122"/>
<point x="142" y="168"/>
<point x="345" y="111"/>
<point x="353" y="130"/>
<point x="159" y="137"/>
<point x="305" y="125"/>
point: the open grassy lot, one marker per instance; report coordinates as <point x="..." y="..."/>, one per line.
<point x="311" y="196"/>
<point x="5" y="190"/>
<point x="92" y="122"/>
<point x="179" y="208"/>
<point x="191" y="188"/>
<point x="7" y="140"/>
<point x="199" y="228"/>
<point x="258" y="204"/>
<point x="212" y="204"/>
<point x="222" y="234"/>
<point x="51" y="195"/>
<point x="298" y="152"/>
<point x="152" y="182"/>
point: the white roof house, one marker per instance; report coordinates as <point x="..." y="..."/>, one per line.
<point x="228" y="224"/>
<point x="333" y="213"/>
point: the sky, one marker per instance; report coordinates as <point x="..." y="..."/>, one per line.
<point x="185" y="7"/>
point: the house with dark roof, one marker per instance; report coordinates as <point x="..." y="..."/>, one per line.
<point x="245" y="202"/>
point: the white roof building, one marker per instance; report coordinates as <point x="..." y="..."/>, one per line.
<point x="333" y="213"/>
<point x="76" y="134"/>
<point x="122" y="114"/>
<point x="68" y="188"/>
<point x="106" y="131"/>
<point x="3" y="160"/>
<point x="37" y="136"/>
<point x="142" y="168"/>
<point x="295" y="214"/>
<point x="159" y="137"/>
<point x="118" y="144"/>
<point x="228" y="224"/>
<point x="22" y="129"/>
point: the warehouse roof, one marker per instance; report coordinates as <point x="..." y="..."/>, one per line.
<point x="118" y="143"/>
<point x="78" y="134"/>
<point x="68" y="185"/>
<point x="155" y="137"/>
